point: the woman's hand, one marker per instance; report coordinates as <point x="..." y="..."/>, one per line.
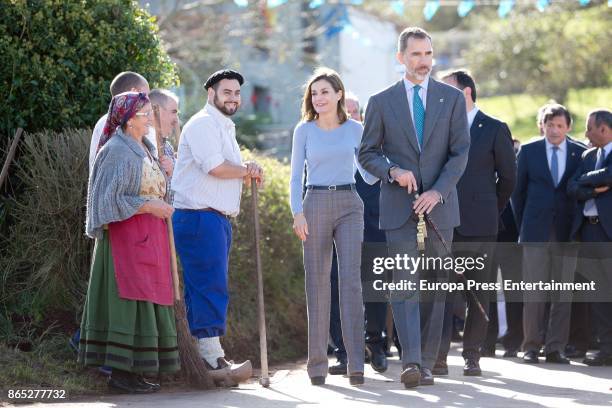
<point x="158" y="208"/>
<point x="300" y="226"/>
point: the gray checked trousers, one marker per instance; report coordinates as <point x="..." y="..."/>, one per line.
<point x="333" y="217"/>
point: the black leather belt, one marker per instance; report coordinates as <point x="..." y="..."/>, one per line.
<point x="592" y="220"/>
<point x="333" y="188"/>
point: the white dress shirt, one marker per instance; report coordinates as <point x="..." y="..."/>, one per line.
<point x="207" y="140"/>
<point x="97" y="135"/>
<point x="95" y="140"/>
<point x="422" y="94"/>
<point x="561" y="156"/>
<point x="471" y="115"/>
<point x="590" y="206"/>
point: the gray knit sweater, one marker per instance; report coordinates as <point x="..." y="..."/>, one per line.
<point x="114" y="183"/>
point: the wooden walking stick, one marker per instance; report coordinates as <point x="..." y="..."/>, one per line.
<point x="191" y="363"/>
<point x="461" y="276"/>
<point x="261" y="316"/>
<point x="9" y="157"/>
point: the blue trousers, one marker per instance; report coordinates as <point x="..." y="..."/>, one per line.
<point x="203" y="240"/>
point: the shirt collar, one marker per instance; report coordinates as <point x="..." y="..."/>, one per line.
<point x="562" y="145"/>
<point x="220" y="117"/>
<point x="471" y="115"/>
<point x="607" y="149"/>
<point x="409" y="85"/>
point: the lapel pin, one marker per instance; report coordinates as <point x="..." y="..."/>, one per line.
<point x="441" y="99"/>
<point x="573" y="154"/>
<point x="480" y="125"/>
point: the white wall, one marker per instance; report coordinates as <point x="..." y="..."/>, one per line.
<point x="367" y="55"/>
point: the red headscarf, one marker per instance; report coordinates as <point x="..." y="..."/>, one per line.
<point x="122" y="108"/>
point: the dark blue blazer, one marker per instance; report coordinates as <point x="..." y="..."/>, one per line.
<point x="580" y="188"/>
<point x="370" y="195"/>
<point x="489" y="178"/>
<point x="540" y="208"/>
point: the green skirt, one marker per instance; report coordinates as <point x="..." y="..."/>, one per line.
<point x="130" y="335"/>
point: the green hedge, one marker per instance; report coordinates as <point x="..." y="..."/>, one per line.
<point x="43" y="274"/>
<point x="45" y="262"/>
<point x="57" y="59"/>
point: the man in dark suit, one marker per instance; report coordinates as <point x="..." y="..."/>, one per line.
<point x="416" y="140"/>
<point x="591" y="185"/>
<point x="483" y="191"/>
<point x="544" y="214"/>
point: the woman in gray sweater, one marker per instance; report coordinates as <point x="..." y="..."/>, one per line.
<point x="326" y="142"/>
<point x="128" y="320"/>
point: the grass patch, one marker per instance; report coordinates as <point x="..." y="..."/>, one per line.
<point x="51" y="364"/>
<point x="519" y="111"/>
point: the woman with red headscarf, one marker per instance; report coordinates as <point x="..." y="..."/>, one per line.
<point x="128" y="320"/>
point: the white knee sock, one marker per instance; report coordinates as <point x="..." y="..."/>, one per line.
<point x="211" y="350"/>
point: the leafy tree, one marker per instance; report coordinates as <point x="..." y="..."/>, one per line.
<point x="545" y="53"/>
<point x="57" y="59"/>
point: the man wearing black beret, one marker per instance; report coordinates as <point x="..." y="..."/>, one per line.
<point x="207" y="185"/>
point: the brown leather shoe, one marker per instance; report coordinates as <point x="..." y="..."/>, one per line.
<point x="356" y="379"/>
<point x="318" y="380"/>
<point x="426" y="376"/>
<point x="411" y="376"/>
<point x="440" y="368"/>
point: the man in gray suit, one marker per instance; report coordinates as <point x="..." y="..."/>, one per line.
<point x="416" y="140"/>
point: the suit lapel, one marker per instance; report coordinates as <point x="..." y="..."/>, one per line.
<point x="477" y="128"/>
<point x="432" y="110"/>
<point x="572" y="159"/>
<point x="401" y="109"/>
<point x="607" y="160"/>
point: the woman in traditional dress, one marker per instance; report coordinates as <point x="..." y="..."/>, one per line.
<point x="128" y="319"/>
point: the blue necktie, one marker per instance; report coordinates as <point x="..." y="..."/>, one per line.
<point x="419" y="114"/>
<point x="554" y="165"/>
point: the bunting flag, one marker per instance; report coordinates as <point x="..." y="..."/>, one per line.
<point x="398" y="7"/>
<point x="336" y="20"/>
<point x="431" y="7"/>
<point x="464" y="8"/>
<point x="275" y="3"/>
<point x="505" y="7"/>
<point x="541" y="5"/>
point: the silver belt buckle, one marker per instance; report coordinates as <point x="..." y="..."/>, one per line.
<point x="332" y="188"/>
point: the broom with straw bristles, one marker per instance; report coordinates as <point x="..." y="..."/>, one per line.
<point x="192" y="365"/>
